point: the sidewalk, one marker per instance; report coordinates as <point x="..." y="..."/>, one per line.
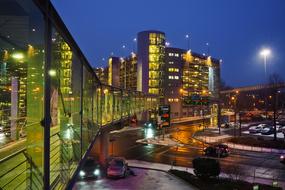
<point x="161" y="168"/>
<point x="166" y="167"/>
<point x="158" y="140"/>
<point x="124" y="129"/>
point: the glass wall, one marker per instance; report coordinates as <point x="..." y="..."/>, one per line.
<point x="59" y="77"/>
<point x="21" y="94"/>
<point x="117" y="104"/>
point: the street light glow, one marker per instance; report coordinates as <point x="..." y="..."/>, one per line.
<point x="18" y="56"/>
<point x="265" y="52"/>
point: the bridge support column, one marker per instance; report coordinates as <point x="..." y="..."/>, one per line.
<point x="104" y="146"/>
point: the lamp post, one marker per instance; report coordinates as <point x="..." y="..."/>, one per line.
<point x="135" y="43"/>
<point x="208" y="48"/>
<point x="181" y="102"/>
<point x="265" y="53"/>
<point x="187" y="37"/>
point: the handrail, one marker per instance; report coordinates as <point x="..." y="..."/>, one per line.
<point x="29" y="158"/>
<point x="15" y="176"/>
<point x="12" y="155"/>
<point x="13" y="168"/>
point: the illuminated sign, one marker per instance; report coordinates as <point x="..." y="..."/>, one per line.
<point x="196" y="100"/>
<point x="164" y="114"/>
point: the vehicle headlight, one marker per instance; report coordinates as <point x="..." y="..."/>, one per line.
<point x="82" y="173"/>
<point x="96" y="172"/>
<point x="281" y="157"/>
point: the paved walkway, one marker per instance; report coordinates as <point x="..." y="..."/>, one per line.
<point x="166" y="167"/>
<point x="159" y="140"/>
<point x="144" y="179"/>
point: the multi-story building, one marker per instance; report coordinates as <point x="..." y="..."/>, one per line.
<point x="187" y="81"/>
<point x="151" y="51"/>
<point x="173" y="79"/>
<point x="192" y="83"/>
<point x="113" y="71"/>
<point x="128" y="72"/>
<point x="102" y="74"/>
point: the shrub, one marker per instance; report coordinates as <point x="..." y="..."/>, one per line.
<point x="206" y="167"/>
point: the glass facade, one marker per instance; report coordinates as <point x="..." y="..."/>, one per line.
<point x="50" y="99"/>
<point x="156" y="63"/>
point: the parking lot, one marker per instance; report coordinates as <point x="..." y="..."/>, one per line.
<point x="265" y="130"/>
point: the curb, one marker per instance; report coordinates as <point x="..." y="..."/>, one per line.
<point x="248" y="148"/>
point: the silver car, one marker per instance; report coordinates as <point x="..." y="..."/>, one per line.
<point x="117" y="167"/>
<point x="255" y="129"/>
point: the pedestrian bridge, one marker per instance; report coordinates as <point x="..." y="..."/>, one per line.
<point x="52" y="105"/>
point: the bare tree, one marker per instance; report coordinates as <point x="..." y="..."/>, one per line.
<point x="234" y="172"/>
<point x="275" y="82"/>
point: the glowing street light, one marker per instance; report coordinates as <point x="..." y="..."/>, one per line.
<point x="18" y="56"/>
<point x="187" y="37"/>
<point x="208" y="48"/>
<point x="167" y="44"/>
<point x="265" y="53"/>
<point x="135" y="43"/>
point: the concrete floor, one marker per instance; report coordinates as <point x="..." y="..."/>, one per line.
<point x="144" y="179"/>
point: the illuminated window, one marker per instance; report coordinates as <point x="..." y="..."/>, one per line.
<point x="173" y="69"/>
<point x="170" y="77"/>
<point x="176" y="55"/>
<point x="175" y="100"/>
<point x="170" y="54"/>
<point x="153" y="49"/>
<point x="170" y="62"/>
<point x="176" y="77"/>
<point x="170" y="99"/>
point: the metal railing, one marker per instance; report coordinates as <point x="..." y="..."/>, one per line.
<point x="18" y="171"/>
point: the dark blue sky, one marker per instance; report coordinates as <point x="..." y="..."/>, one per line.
<point x="235" y="29"/>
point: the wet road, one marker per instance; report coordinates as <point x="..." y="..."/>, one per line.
<point x="263" y="165"/>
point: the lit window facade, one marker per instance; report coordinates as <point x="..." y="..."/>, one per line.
<point x="189" y="74"/>
<point x="195" y="75"/>
<point x="128" y="72"/>
<point x="151" y="63"/>
<point x="156" y="63"/>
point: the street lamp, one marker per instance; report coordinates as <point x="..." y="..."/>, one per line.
<point x="208" y="48"/>
<point x="187" y="37"/>
<point x="135" y="42"/>
<point x="265" y="53"/>
<point x="181" y="91"/>
<point x="167" y="44"/>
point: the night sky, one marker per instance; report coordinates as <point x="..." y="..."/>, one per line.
<point x="235" y="29"/>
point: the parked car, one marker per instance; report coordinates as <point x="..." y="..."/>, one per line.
<point x="282" y="159"/>
<point x="227" y="125"/>
<point x="263" y="125"/>
<point x="279" y="128"/>
<point x="267" y="130"/>
<point x="117" y="167"/>
<point x="90" y="169"/>
<point x="218" y="150"/>
<point x="255" y="129"/>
